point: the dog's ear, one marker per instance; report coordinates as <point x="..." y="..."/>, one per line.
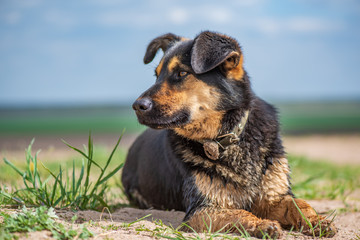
<point x="163" y="42"/>
<point x="211" y="50"/>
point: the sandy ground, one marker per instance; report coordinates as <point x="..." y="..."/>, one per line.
<point x="111" y="226"/>
<point x="340" y="149"/>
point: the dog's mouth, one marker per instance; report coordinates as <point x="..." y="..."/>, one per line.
<point x="160" y="122"/>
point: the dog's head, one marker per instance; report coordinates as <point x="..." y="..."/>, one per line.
<point x="197" y="82"/>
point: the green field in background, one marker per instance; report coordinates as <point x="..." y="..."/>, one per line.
<point x="328" y="117"/>
<point x="68" y="120"/>
<point x="295" y="118"/>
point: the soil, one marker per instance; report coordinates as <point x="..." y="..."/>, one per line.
<point x="111" y="226"/>
<point x="340" y="149"/>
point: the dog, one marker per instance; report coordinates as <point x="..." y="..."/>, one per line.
<point x="213" y="148"/>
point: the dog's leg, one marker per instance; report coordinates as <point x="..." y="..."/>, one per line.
<point x="233" y="220"/>
<point x="299" y="216"/>
<point x="276" y="203"/>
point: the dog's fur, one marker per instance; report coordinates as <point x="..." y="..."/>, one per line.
<point x="201" y="93"/>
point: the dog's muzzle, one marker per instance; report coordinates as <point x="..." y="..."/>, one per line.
<point x="142" y="105"/>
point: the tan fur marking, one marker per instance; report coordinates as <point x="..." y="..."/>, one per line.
<point x="275" y="182"/>
<point x="168" y="99"/>
<point x="159" y="67"/>
<point x="221" y="196"/>
<point x="289" y="216"/>
<point x="173" y="62"/>
<point x="194" y="95"/>
<point x="236" y="73"/>
<point x="274" y="204"/>
<point x="225" y="219"/>
<point x="205" y="123"/>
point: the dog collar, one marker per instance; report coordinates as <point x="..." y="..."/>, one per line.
<point x="211" y="147"/>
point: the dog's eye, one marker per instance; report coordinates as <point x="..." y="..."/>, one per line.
<point x="182" y="74"/>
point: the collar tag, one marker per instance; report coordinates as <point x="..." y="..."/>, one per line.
<point x="211" y="149"/>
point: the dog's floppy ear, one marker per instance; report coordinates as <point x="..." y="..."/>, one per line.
<point x="162" y="42"/>
<point x="210" y="50"/>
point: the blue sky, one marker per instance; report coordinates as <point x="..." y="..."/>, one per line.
<point x="86" y="52"/>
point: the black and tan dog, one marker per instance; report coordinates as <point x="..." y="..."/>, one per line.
<point x="213" y="148"/>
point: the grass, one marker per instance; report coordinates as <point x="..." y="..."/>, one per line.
<point x="38" y="219"/>
<point x="66" y="161"/>
<point x="323" y="180"/>
<point x="59" y="189"/>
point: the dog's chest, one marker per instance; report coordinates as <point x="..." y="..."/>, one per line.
<point x="229" y="182"/>
<point x="221" y="195"/>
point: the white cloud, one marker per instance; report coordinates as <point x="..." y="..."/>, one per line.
<point x="121" y="18"/>
<point x="270" y="26"/>
<point x="216" y="14"/>
<point x="308" y="24"/>
<point x="178" y="16"/>
<point x="165" y="15"/>
<point x="300" y="25"/>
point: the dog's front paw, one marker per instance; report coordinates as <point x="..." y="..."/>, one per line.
<point x="268" y="228"/>
<point x="321" y="227"/>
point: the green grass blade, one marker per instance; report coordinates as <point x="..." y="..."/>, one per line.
<point x="303" y="216"/>
<point x="114" y="150"/>
<point x="90" y="146"/>
<point x="111" y="174"/>
<point x="28" y="151"/>
<point x="62" y="187"/>
<point x="82" y="153"/>
<point x="54" y="192"/>
<point x="73" y="181"/>
<point x="138" y="220"/>
<point x="13" y="167"/>
<point x="58" y="201"/>
<point x="100" y="179"/>
<point x="48" y="170"/>
<point x="11" y="197"/>
<point x="24" y="180"/>
<point x="80" y="177"/>
<point x="34" y="171"/>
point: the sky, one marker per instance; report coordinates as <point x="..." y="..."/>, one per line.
<point x="91" y="51"/>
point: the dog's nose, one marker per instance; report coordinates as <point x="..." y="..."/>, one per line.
<point x="142" y="105"/>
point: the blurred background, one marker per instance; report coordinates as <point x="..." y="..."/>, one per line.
<point x="70" y="67"/>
